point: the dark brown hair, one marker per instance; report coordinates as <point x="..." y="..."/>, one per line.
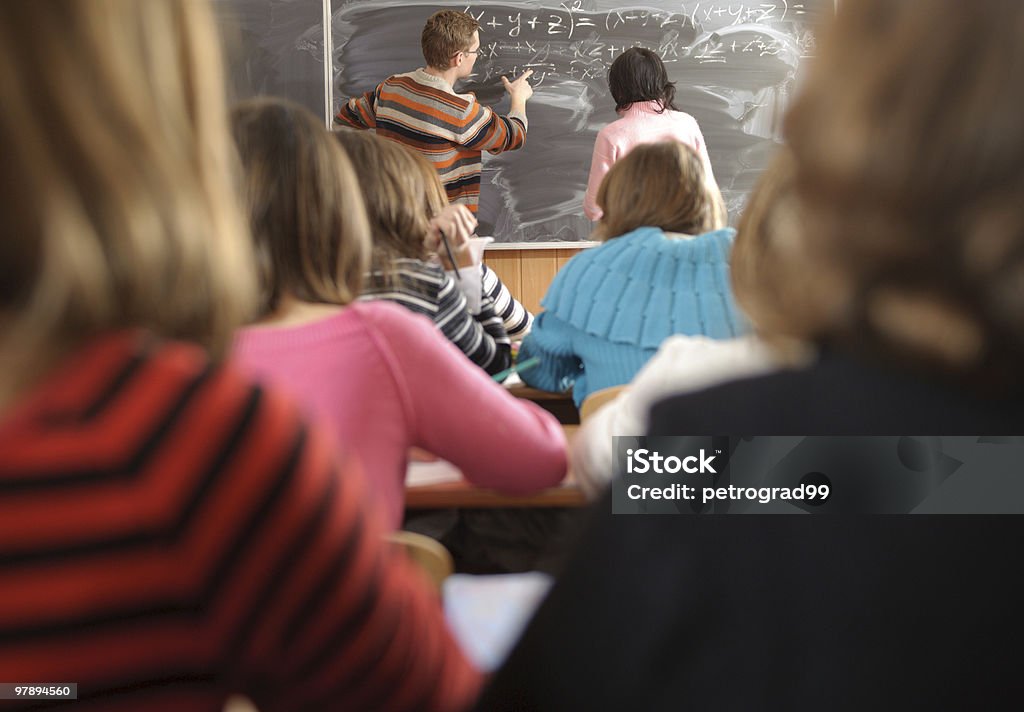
<point x="659" y="185"/>
<point x="637" y="75"/>
<point x="446" y="33"/>
<point x="910" y="169"/>
<point x="308" y="221"/>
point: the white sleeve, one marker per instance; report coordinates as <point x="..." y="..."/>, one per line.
<point x="591" y="455"/>
<point x="470" y="281"/>
<point x="682" y="364"/>
<point x="515" y="316"/>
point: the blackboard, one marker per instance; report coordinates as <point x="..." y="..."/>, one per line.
<point x="276" y="48"/>
<point x="735" y="65"/>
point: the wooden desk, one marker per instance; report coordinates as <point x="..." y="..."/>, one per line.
<point x="464" y="494"/>
<point x="560" y="405"/>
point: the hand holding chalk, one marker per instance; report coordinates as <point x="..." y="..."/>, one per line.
<point x="520" y="89"/>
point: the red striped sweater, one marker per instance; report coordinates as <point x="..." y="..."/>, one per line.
<point x="451" y="130"/>
<point x="170" y="534"/>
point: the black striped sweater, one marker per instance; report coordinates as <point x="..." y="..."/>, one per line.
<point x="170" y="534"/>
<point x="516" y="318"/>
<point x="425" y="288"/>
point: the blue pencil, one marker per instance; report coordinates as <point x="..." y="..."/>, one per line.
<point x="522" y="366"/>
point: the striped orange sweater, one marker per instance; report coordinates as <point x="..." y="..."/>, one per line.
<point x="170" y="534"/>
<point x="424" y="112"/>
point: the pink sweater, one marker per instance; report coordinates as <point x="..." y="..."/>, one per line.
<point x="640" y="123"/>
<point x="388" y="380"/>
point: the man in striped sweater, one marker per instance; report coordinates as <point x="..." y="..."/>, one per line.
<point x="422" y="110"/>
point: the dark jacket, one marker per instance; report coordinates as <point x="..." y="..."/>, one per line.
<point x="787" y="612"/>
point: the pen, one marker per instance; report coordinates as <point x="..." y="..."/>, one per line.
<point x="521" y="366"/>
<point x="448" y="251"/>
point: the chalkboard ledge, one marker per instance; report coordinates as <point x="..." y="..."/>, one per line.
<point x="557" y="245"/>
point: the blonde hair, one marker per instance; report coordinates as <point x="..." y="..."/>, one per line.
<point x="445" y="34"/>
<point x="768" y="241"/>
<point x="116" y="180"/>
<point x="910" y="169"/>
<point x="308" y="222"/>
<point x="660" y="185"/>
<point x="399" y="197"/>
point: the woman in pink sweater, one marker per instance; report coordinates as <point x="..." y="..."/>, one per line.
<point x="385" y="378"/>
<point x="644" y="101"/>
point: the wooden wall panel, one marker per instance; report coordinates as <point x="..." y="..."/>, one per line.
<point x="563" y="256"/>
<point x="505" y="264"/>
<point x="538" y="269"/>
<point x="527" y="273"/>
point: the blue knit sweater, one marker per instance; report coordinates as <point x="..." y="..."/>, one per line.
<point x="610" y="307"/>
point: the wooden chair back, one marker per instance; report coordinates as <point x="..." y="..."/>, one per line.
<point x="430" y="555"/>
<point x="597" y="399"/>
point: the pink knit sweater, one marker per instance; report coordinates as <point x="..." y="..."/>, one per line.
<point x="640" y="123"/>
<point x="387" y="380"/>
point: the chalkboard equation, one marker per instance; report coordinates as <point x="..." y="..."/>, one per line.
<point x="536" y="40"/>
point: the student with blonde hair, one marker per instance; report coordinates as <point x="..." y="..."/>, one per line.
<point x="385" y="379"/>
<point x="909" y="166"/>
<point x="402" y="198"/>
<point x="663" y="269"/>
<point x="169" y="533"/>
<point x="767" y="232"/>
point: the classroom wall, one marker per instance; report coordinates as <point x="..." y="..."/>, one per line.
<point x="527" y="273"/>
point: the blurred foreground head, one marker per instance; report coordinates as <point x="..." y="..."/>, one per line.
<point x="909" y="164"/>
<point x="116" y="184"/>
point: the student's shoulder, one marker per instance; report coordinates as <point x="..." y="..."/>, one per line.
<point x="613" y="130"/>
<point x="406" y="275"/>
<point x="681" y="118"/>
<point x="400" y="77"/>
<point x="412" y="265"/>
<point x="591" y="267"/>
<point x="137" y="371"/>
<point x="382" y="314"/>
<point x="429" y="86"/>
<point x="172" y="364"/>
<point x="566" y="284"/>
<point x="421" y="276"/>
<point x="597" y="255"/>
<point x="392" y="322"/>
<point x="686" y="364"/>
